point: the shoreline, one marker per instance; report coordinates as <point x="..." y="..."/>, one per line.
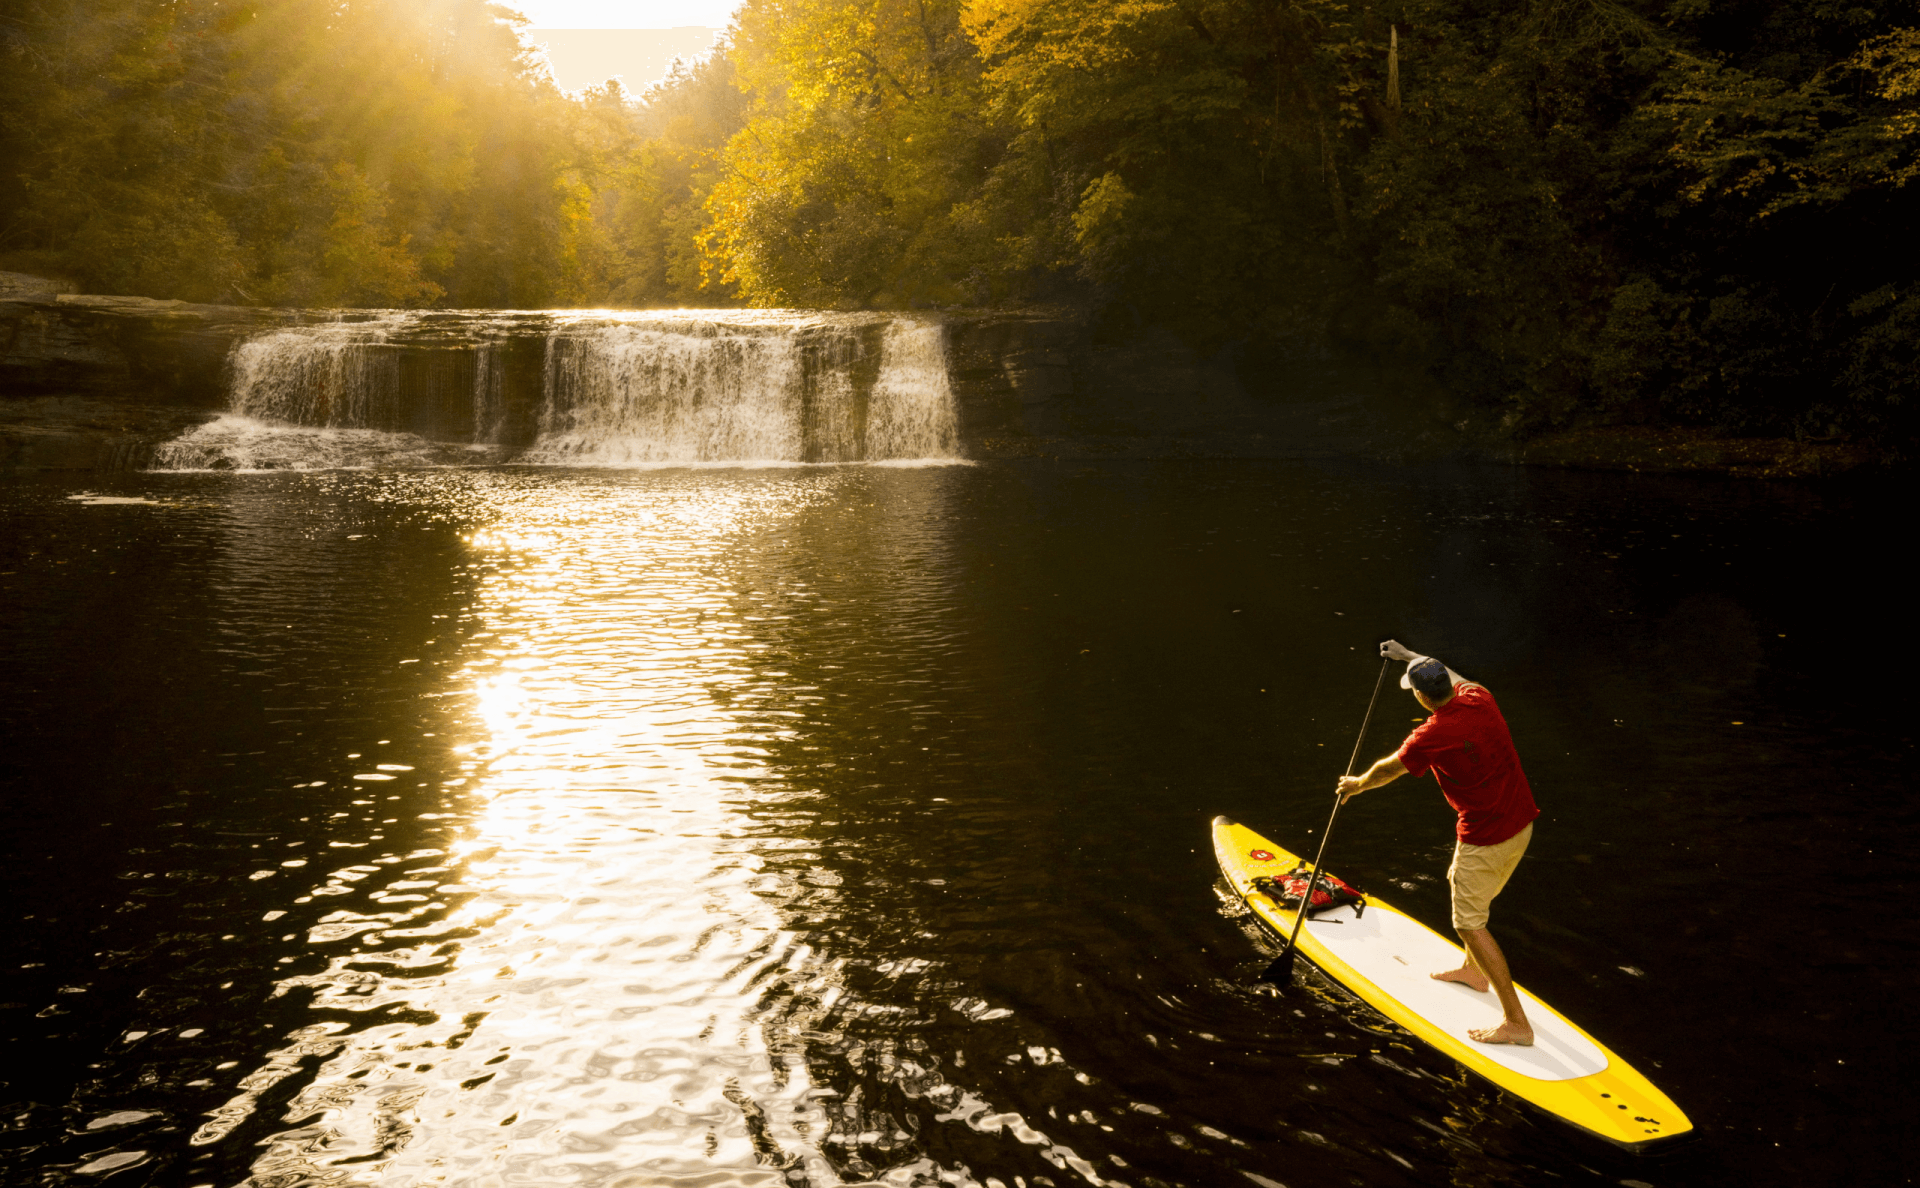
<point x="1657" y="449"/>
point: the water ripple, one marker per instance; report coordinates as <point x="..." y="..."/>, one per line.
<point x="846" y="825"/>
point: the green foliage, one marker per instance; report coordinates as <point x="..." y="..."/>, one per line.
<point x="866" y="132"/>
<point x="1568" y="210"/>
<point x="334" y="153"/>
<point x="652" y="197"/>
<point x="1882" y="363"/>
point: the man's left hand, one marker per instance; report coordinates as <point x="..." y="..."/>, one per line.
<point x="1393" y="649"/>
<point x="1350" y="787"/>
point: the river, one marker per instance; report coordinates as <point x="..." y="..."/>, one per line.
<point x="841" y="824"/>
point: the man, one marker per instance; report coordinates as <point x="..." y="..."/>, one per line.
<point x="1466" y="746"/>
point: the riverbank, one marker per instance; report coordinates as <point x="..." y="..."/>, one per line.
<point x="91" y="382"/>
<point x="1648" y="449"/>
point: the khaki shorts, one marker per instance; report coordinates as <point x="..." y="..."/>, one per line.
<point x="1479" y="872"/>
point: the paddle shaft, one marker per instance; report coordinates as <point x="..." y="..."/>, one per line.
<point x="1313" y="879"/>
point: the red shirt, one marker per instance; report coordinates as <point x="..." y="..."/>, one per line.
<point x="1466" y="746"/>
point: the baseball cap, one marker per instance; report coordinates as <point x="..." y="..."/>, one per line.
<point x="1429" y="677"/>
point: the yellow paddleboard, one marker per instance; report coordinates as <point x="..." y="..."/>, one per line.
<point x="1384" y="956"/>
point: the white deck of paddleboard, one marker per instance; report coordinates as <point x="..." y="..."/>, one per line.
<point x="1396" y="953"/>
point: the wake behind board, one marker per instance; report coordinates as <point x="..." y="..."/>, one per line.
<point x="1384" y="956"/>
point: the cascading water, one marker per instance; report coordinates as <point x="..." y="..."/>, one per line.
<point x="489" y="395"/>
<point x="911" y="412"/>
<point x="340" y="376"/>
<point x="639" y="394"/>
<point x="330" y="395"/>
<point x="634" y="390"/>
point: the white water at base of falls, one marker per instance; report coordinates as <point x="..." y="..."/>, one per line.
<point x="234" y="442"/>
<point x="660" y="389"/>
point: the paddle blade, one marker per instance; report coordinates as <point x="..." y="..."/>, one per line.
<point x="1280" y="972"/>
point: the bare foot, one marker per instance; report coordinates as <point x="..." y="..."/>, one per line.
<point x="1466" y="975"/>
<point x="1506" y="1033"/>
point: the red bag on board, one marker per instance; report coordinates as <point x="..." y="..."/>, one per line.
<point x="1329" y="891"/>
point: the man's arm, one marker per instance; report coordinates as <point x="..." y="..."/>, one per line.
<point x="1393" y="649"/>
<point x="1384" y="772"/>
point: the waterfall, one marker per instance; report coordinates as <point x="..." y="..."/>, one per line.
<point x="911" y="413"/>
<point x="489" y="395"/>
<point x="336" y="376"/>
<point x="660" y="389"/>
<point x="624" y="395"/>
<point x="651" y="393"/>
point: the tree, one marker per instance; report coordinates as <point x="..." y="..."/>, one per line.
<point x="866" y="131"/>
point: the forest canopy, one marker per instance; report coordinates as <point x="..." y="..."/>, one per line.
<point x="1649" y="210"/>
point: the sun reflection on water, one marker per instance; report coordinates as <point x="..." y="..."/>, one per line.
<point x="568" y="991"/>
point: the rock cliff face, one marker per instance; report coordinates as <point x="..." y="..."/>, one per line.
<point x="95" y="382"/>
<point x="1042" y="383"/>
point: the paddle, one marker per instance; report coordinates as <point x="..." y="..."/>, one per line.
<point x="1280" y="973"/>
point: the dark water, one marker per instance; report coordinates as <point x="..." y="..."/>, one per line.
<point x="834" y="825"/>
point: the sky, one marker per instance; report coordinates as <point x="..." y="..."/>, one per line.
<point x="626" y="14"/>
<point x="635" y="40"/>
<point x="583" y="58"/>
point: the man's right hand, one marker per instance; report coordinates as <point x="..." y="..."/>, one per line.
<point x="1393" y="649"/>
